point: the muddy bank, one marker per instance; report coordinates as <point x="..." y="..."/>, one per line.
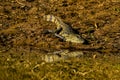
<point x="21" y="24"/>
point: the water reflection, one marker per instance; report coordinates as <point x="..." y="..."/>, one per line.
<point x="61" y="55"/>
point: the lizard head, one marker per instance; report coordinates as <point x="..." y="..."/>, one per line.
<point x="75" y="38"/>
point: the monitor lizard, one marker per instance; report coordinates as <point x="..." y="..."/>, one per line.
<point x="64" y="31"/>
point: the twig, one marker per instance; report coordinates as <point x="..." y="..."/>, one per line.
<point x="20" y="3"/>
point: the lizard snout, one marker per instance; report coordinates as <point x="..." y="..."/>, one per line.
<point x="75" y="38"/>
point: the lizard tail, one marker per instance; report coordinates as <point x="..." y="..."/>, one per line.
<point x="53" y="19"/>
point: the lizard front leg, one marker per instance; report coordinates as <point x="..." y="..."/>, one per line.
<point x="59" y="36"/>
<point x="56" y="33"/>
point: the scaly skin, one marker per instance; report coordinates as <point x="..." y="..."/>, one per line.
<point x="65" y="32"/>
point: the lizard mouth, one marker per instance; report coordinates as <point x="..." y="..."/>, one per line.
<point x="78" y="41"/>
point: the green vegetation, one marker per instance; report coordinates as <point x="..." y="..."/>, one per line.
<point x="16" y="67"/>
